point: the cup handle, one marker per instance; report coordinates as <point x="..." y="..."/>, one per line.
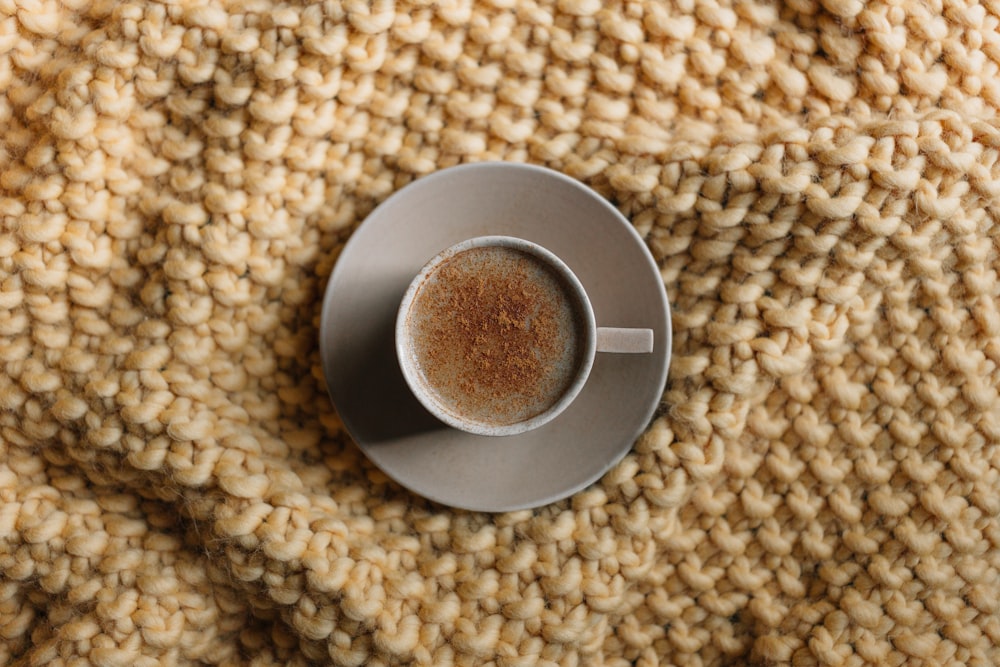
<point x="624" y="341"/>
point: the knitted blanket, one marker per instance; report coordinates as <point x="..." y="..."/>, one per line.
<point x="818" y="180"/>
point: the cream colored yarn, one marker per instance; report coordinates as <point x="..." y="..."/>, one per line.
<point x="819" y="181"/>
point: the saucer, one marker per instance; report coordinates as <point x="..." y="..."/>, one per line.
<point x="357" y="345"/>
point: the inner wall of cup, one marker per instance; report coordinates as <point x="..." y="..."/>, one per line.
<point x="585" y="327"/>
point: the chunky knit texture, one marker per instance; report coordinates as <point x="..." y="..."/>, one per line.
<point x="818" y="180"/>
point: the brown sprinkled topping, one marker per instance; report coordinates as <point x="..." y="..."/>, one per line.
<point x="495" y="335"/>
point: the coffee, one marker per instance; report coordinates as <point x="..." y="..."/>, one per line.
<point x="497" y="336"/>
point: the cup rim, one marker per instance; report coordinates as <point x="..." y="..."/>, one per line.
<point x="405" y="353"/>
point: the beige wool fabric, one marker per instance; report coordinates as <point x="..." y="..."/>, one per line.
<point x="818" y="181"/>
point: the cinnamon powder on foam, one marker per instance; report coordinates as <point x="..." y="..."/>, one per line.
<point x="495" y="335"/>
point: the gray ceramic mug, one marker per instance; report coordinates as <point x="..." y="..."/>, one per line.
<point x="592" y="339"/>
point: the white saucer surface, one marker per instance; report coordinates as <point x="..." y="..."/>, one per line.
<point x="492" y="473"/>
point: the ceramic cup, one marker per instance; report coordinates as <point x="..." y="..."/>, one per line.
<point x="428" y="352"/>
